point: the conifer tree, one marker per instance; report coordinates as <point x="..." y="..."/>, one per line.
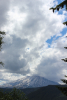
<point x="15" y="94"/>
<point x="1" y="38"/>
<point x="61" y="5"/>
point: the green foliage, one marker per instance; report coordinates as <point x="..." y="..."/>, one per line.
<point x="49" y="92"/>
<point x="15" y="94"/>
<point x="1" y="38"/>
<point x="61" y="5"/>
<point x="63" y="90"/>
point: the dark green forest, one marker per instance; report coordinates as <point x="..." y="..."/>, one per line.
<point x="49" y="92"/>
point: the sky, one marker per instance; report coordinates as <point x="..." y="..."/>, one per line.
<point x="34" y="41"/>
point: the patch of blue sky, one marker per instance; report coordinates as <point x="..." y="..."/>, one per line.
<point x="27" y="48"/>
<point x="49" y="41"/>
<point x="64" y="31"/>
<point x="54" y="38"/>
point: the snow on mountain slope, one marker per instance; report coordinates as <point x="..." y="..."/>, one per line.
<point x="30" y="81"/>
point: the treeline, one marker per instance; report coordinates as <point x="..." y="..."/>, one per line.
<point x="15" y="94"/>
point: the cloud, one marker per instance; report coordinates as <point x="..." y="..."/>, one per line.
<point x="51" y="66"/>
<point x="12" y="54"/>
<point x="25" y="51"/>
<point x="4" y="8"/>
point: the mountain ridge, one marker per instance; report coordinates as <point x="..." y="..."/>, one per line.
<point x="30" y="82"/>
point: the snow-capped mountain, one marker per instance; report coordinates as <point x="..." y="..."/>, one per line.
<point x="30" y="82"/>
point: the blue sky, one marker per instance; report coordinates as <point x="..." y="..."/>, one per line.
<point x="36" y="38"/>
<point x="63" y="32"/>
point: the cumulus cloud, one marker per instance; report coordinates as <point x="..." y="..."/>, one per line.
<point x="4" y="8"/>
<point x="51" y="66"/>
<point x="25" y="51"/>
<point x="12" y="54"/>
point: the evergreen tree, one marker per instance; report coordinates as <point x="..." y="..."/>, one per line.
<point x="61" y="5"/>
<point x="15" y="94"/>
<point x="2" y="33"/>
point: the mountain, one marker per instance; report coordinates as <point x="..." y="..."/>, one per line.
<point x="29" y="82"/>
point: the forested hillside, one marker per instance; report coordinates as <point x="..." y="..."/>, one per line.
<point x="47" y="93"/>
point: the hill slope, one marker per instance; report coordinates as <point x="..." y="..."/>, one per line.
<point x="30" y="82"/>
<point x="47" y="93"/>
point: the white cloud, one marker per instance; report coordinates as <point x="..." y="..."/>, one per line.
<point x="30" y="24"/>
